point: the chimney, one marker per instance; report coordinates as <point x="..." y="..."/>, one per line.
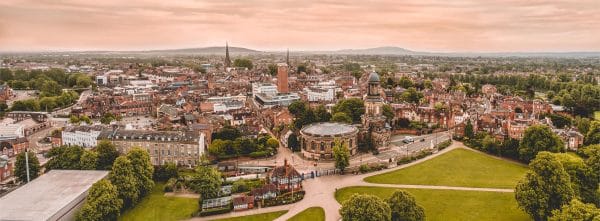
<point x="285" y="164"/>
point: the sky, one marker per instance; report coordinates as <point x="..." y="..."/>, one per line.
<point x="420" y="25"/>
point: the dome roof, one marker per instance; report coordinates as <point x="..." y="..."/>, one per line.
<point x="329" y="129"/>
<point x="374" y="77"/>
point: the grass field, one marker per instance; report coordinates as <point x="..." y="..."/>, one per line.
<point x="450" y="205"/>
<point x="158" y="207"/>
<point x="458" y="167"/>
<point x="597" y="115"/>
<point x="312" y="214"/>
<point x="258" y="217"/>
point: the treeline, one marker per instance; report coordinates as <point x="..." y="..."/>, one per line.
<point x="49" y="82"/>
<point x="581" y="97"/>
<point x="65" y="99"/>
<point x="228" y="143"/>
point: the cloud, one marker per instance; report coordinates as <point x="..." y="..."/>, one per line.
<point x="437" y="25"/>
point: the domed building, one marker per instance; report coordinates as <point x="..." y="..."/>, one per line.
<point x="317" y="140"/>
<point x="375" y="127"/>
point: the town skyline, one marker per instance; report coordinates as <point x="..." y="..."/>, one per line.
<point x="432" y="26"/>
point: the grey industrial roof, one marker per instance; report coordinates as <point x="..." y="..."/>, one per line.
<point x="328" y="129"/>
<point x="50" y="196"/>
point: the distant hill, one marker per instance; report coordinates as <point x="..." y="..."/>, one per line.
<point x="378" y="50"/>
<point x="206" y="50"/>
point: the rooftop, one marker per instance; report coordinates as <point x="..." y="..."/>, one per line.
<point x="50" y="196"/>
<point x="329" y="129"/>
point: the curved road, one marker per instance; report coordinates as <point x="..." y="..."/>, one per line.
<point x="320" y="192"/>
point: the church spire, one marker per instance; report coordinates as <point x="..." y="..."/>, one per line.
<point x="227" y="60"/>
<point x="287" y="57"/>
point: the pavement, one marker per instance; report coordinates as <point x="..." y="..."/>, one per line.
<point x="320" y="192"/>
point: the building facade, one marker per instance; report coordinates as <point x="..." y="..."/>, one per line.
<point x="318" y="139"/>
<point x="84" y="136"/>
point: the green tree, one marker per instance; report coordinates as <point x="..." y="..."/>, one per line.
<point x="341" y="155"/>
<point x="272" y="69"/>
<point x="244" y="63"/>
<point x="321" y="114"/>
<point x="544" y="188"/>
<point x="411" y="95"/>
<point x="405" y="82"/>
<point x="539" y="138"/>
<point x="592" y="162"/>
<point x="217" y="147"/>
<point x="64" y="158"/>
<point x="404" y="207"/>
<point x="583" y="180"/>
<point x="84" y="81"/>
<point x="353" y="107"/>
<point x="21" y="170"/>
<point x="50" y="88"/>
<point x="85" y="119"/>
<point x="469" y="130"/>
<point x="576" y="211"/>
<point x="365" y="208"/>
<point x="74" y="119"/>
<point x="142" y="168"/>
<point x="123" y="177"/>
<point x="272" y="143"/>
<point x="227" y="133"/>
<point x="102" y="203"/>
<point x="107" y="153"/>
<point x="165" y="172"/>
<point x="593" y="134"/>
<point x="293" y="142"/>
<point x="388" y="112"/>
<point x="89" y="160"/>
<point x="48" y="103"/>
<point x="206" y="182"/>
<point x="341" y="117"/>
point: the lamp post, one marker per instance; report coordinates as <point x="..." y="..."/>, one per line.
<point x="27" y="163"/>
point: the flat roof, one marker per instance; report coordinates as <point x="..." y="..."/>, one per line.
<point x="50" y="196"/>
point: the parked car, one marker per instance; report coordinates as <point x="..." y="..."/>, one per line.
<point x="408" y="139"/>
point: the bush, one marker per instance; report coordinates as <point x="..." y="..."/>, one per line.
<point x="170" y="185"/>
<point x="215" y="211"/>
<point x="364" y="168"/>
<point x="423" y="154"/>
<point x="405" y="160"/>
<point x="259" y="154"/>
<point x="443" y="145"/>
<point x="286" y="198"/>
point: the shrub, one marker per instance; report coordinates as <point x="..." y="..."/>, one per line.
<point x="405" y="160"/>
<point x="259" y="154"/>
<point x="286" y="198"/>
<point x="170" y="185"/>
<point x="443" y="145"/>
<point x="364" y="168"/>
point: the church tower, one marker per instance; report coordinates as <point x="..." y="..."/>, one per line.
<point x="287" y="57"/>
<point x="375" y="127"/>
<point x="227" y="62"/>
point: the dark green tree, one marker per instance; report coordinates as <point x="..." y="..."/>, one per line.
<point x="404" y="207"/>
<point x="89" y="160"/>
<point x="21" y="170"/>
<point x="469" y="133"/>
<point x="142" y="169"/>
<point x="341" y="155"/>
<point x="102" y="203"/>
<point x="206" y="182"/>
<point x="64" y="158"/>
<point x="388" y="112"/>
<point x="123" y="177"/>
<point x="353" y="107"/>
<point x="341" y="117"/>
<point x="107" y="153"/>
<point x="576" y="210"/>
<point x="544" y="188"/>
<point x="243" y="62"/>
<point x="539" y="138"/>
<point x="365" y="208"/>
<point x="165" y="172"/>
<point x="593" y="134"/>
<point x="293" y="142"/>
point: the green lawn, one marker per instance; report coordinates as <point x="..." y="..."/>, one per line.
<point x="158" y="207"/>
<point x="258" y="217"/>
<point x="312" y="214"/>
<point x="449" y="205"/>
<point x="458" y="167"/>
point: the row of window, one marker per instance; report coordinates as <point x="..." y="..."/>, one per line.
<point x="322" y="145"/>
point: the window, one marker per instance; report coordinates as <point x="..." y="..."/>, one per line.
<point x="322" y="146"/>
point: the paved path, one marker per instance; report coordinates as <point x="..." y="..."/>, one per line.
<point x="320" y="192"/>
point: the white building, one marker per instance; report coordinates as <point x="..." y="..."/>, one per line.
<point x="264" y="88"/>
<point x="227" y="106"/>
<point x="12" y="130"/>
<point x="319" y="94"/>
<point x="84" y="136"/>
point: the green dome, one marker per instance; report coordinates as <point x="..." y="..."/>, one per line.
<point x="374" y="77"/>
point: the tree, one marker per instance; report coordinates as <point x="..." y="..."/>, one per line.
<point x="142" y="169"/>
<point x="341" y="117"/>
<point x="353" y="107"/>
<point x="21" y="170"/>
<point x="206" y="182"/>
<point x="64" y="158"/>
<point x="102" y="203"/>
<point x="272" y="69"/>
<point x="559" y="121"/>
<point x="583" y="180"/>
<point x="405" y="82"/>
<point x="489" y="144"/>
<point x="84" y="81"/>
<point x="321" y="114"/>
<point x="593" y="134"/>
<point x="165" y="172"/>
<point x="469" y="130"/>
<point x="539" y="138"/>
<point x="411" y="95"/>
<point x="88" y="160"/>
<point x="544" y="188"/>
<point x="341" y="155"/>
<point x="227" y="133"/>
<point x="244" y="63"/>
<point x="50" y="88"/>
<point x="107" y="118"/>
<point x="85" y="119"/>
<point x="217" y="147"/>
<point x="48" y="103"/>
<point x="404" y="207"/>
<point x="123" y="177"/>
<point x="576" y="210"/>
<point x="107" y="153"/>
<point x="74" y="119"/>
<point x="365" y="208"/>
<point x="388" y="112"/>
<point x="272" y="143"/>
<point x="293" y="142"/>
<point x="592" y="162"/>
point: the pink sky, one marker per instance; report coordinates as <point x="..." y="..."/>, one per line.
<point x="423" y="25"/>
